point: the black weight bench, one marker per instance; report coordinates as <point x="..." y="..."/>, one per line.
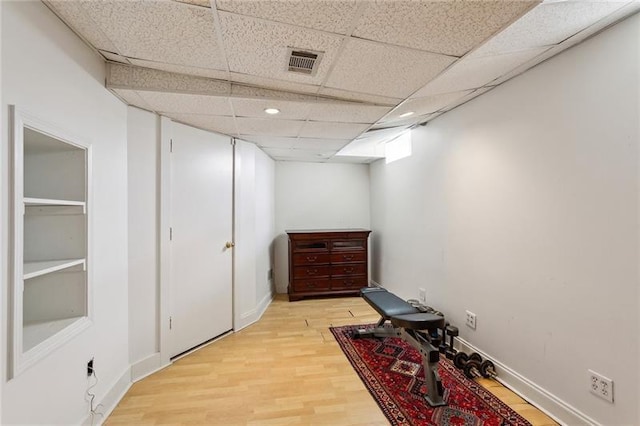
<point x="417" y="328"/>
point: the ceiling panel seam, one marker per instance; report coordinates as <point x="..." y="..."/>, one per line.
<point x="223" y="46"/>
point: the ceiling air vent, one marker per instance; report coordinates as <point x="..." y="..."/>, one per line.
<point x="303" y="61"/>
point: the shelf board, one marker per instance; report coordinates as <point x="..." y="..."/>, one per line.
<point x="35" y="333"/>
<point x="35" y="269"/>
<point x="29" y="201"/>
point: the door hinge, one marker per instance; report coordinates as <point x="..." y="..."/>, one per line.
<point x="233" y="141"/>
<point x="170" y="234"/>
<point x="171" y="145"/>
<point x="170" y="323"/>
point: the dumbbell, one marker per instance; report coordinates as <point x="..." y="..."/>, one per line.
<point x="485" y="369"/>
<point x="461" y="359"/>
<point x="452" y="332"/>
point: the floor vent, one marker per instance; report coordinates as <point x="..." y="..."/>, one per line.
<point x="303" y="61"/>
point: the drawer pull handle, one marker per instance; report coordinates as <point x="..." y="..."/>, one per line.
<point x="345" y="257"/>
<point x="348" y="283"/>
<point x="312" y="271"/>
<point x="311" y="258"/>
<point x="311" y="285"/>
<point x="348" y="270"/>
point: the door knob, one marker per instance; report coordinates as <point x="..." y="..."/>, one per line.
<point x="229" y="244"/>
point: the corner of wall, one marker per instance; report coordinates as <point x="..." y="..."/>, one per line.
<point x="104" y="407"/>
<point x="251" y="317"/>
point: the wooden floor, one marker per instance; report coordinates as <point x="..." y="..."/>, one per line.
<point x="285" y="369"/>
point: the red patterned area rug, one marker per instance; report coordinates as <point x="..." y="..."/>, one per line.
<point x="392" y="372"/>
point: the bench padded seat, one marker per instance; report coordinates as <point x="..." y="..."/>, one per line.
<point x="387" y="304"/>
<point x="421" y="321"/>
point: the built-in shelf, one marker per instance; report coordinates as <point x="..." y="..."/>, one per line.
<point x="50" y="202"/>
<point x="35" y="269"/>
<point x="68" y="206"/>
<point x="51" y="260"/>
<point x="36" y="332"/>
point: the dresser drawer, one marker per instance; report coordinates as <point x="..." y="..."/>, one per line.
<point x="348" y="283"/>
<point x="311" y="258"/>
<point x="307" y="245"/>
<point x="311" y="271"/>
<point x="348" y="245"/>
<point x="348" y="269"/>
<point x="311" y="285"/>
<point x="349" y="257"/>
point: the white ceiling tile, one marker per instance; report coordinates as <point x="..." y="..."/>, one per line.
<point x="244" y="91"/>
<point x="423" y="106"/>
<point x="448" y="27"/>
<point x="327" y="15"/>
<point x="270" y="141"/>
<point x="131" y="97"/>
<point x="472" y="94"/>
<point x="471" y="73"/>
<point x="268" y="127"/>
<point x="324" y="130"/>
<point x="270" y="83"/>
<point x="380" y="135"/>
<point x="299" y="154"/>
<point x="547" y="24"/>
<point x="180" y="69"/>
<point x="385" y="70"/>
<point x="320" y="144"/>
<point x="359" y="97"/>
<point x="73" y="14"/>
<point x="259" y="47"/>
<point x="203" y="3"/>
<point x="224" y="125"/>
<point x="162" y="31"/>
<point x="130" y="77"/>
<point x="408" y="121"/>
<point x="346" y="113"/>
<point x="255" y="108"/>
<point x="187" y="103"/>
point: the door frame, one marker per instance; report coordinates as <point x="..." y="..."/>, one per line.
<point x="164" y="255"/>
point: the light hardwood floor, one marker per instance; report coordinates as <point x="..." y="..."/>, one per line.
<point x="285" y="369"/>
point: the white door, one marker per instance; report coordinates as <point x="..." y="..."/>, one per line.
<point x="201" y="225"/>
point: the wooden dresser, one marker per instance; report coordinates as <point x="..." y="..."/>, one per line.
<point x="327" y="262"/>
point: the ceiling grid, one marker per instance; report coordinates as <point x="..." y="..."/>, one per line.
<point x="385" y="67"/>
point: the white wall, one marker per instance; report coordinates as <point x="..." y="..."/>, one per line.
<point x="265" y="228"/>
<point x="50" y="73"/>
<point x="143" y="190"/>
<point x="317" y="196"/>
<point x="254" y="232"/>
<point x="244" y="234"/>
<point x="522" y="206"/>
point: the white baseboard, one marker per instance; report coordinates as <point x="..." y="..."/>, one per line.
<point x="254" y="315"/>
<point x="110" y="400"/>
<point x="554" y="407"/>
<point x="147" y="367"/>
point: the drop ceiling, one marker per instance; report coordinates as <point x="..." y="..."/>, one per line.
<point x="384" y="66"/>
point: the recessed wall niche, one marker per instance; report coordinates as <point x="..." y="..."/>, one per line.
<point x="50" y="291"/>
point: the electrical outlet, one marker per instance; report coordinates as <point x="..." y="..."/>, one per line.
<point x="601" y="386"/>
<point x="422" y="295"/>
<point x="269" y="274"/>
<point x="90" y="368"/>
<point x="471" y="320"/>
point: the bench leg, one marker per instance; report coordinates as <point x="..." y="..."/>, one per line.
<point x="380" y="330"/>
<point x="430" y="358"/>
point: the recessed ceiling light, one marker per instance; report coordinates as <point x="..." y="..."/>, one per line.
<point x="406" y="114"/>
<point x="272" y="111"/>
